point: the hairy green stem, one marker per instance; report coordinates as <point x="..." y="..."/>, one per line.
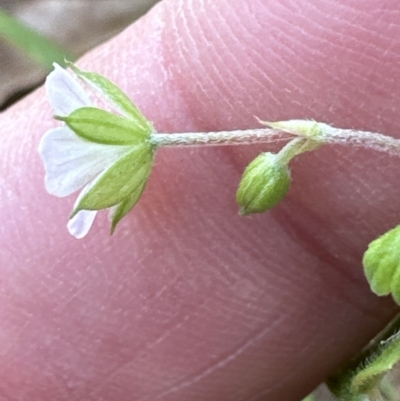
<point x="238" y="137"/>
<point x="340" y="382"/>
<point x="328" y="135"/>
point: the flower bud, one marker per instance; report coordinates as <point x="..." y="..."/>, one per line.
<point x="382" y="264"/>
<point x="264" y="184"/>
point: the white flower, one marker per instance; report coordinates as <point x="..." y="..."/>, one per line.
<point x="73" y="162"/>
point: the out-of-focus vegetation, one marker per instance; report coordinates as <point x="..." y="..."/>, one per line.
<point x="34" y="45"/>
<point x="29" y="27"/>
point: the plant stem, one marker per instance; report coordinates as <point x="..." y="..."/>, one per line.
<point x="329" y="135"/>
<point x="340" y="382"/>
<point x="296" y="147"/>
<point x="364" y="139"/>
<point x="238" y="137"/>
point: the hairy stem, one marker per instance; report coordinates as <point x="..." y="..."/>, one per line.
<point x="340" y="382"/>
<point x="328" y="135"/>
<point x="364" y="139"/>
<point x="238" y="137"/>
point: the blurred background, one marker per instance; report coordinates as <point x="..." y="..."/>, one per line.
<point x="34" y="33"/>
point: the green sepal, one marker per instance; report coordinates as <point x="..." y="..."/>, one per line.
<point x="378" y="365"/>
<point x="118" y="212"/>
<point x="115" y="95"/>
<point x="382" y="264"/>
<point x="100" y="126"/>
<point x="119" y="181"/>
<point x="264" y="184"/>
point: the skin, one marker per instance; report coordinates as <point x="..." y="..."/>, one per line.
<point x="188" y="300"/>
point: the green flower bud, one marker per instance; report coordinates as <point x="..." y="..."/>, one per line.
<point x="382" y="264"/>
<point x="265" y="182"/>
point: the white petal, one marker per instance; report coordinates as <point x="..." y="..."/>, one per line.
<point x="71" y="162"/>
<point x="81" y="223"/>
<point x="65" y="93"/>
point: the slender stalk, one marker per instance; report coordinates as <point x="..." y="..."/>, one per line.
<point x="364" y="139"/>
<point x="290" y="150"/>
<point x="296" y="147"/>
<point x="238" y="137"/>
<point x="329" y="135"/>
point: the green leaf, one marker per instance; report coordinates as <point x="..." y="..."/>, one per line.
<point x="377" y="367"/>
<point x="34" y="45"/>
<point x="119" y="181"/>
<point x="119" y="211"/>
<point x="100" y="126"/>
<point x="382" y="264"/>
<point x="116" y="96"/>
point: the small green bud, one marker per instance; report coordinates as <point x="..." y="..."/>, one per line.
<point x="264" y="184"/>
<point x="382" y="264"/>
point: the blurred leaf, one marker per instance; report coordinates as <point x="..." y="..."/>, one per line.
<point x="34" y="45"/>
